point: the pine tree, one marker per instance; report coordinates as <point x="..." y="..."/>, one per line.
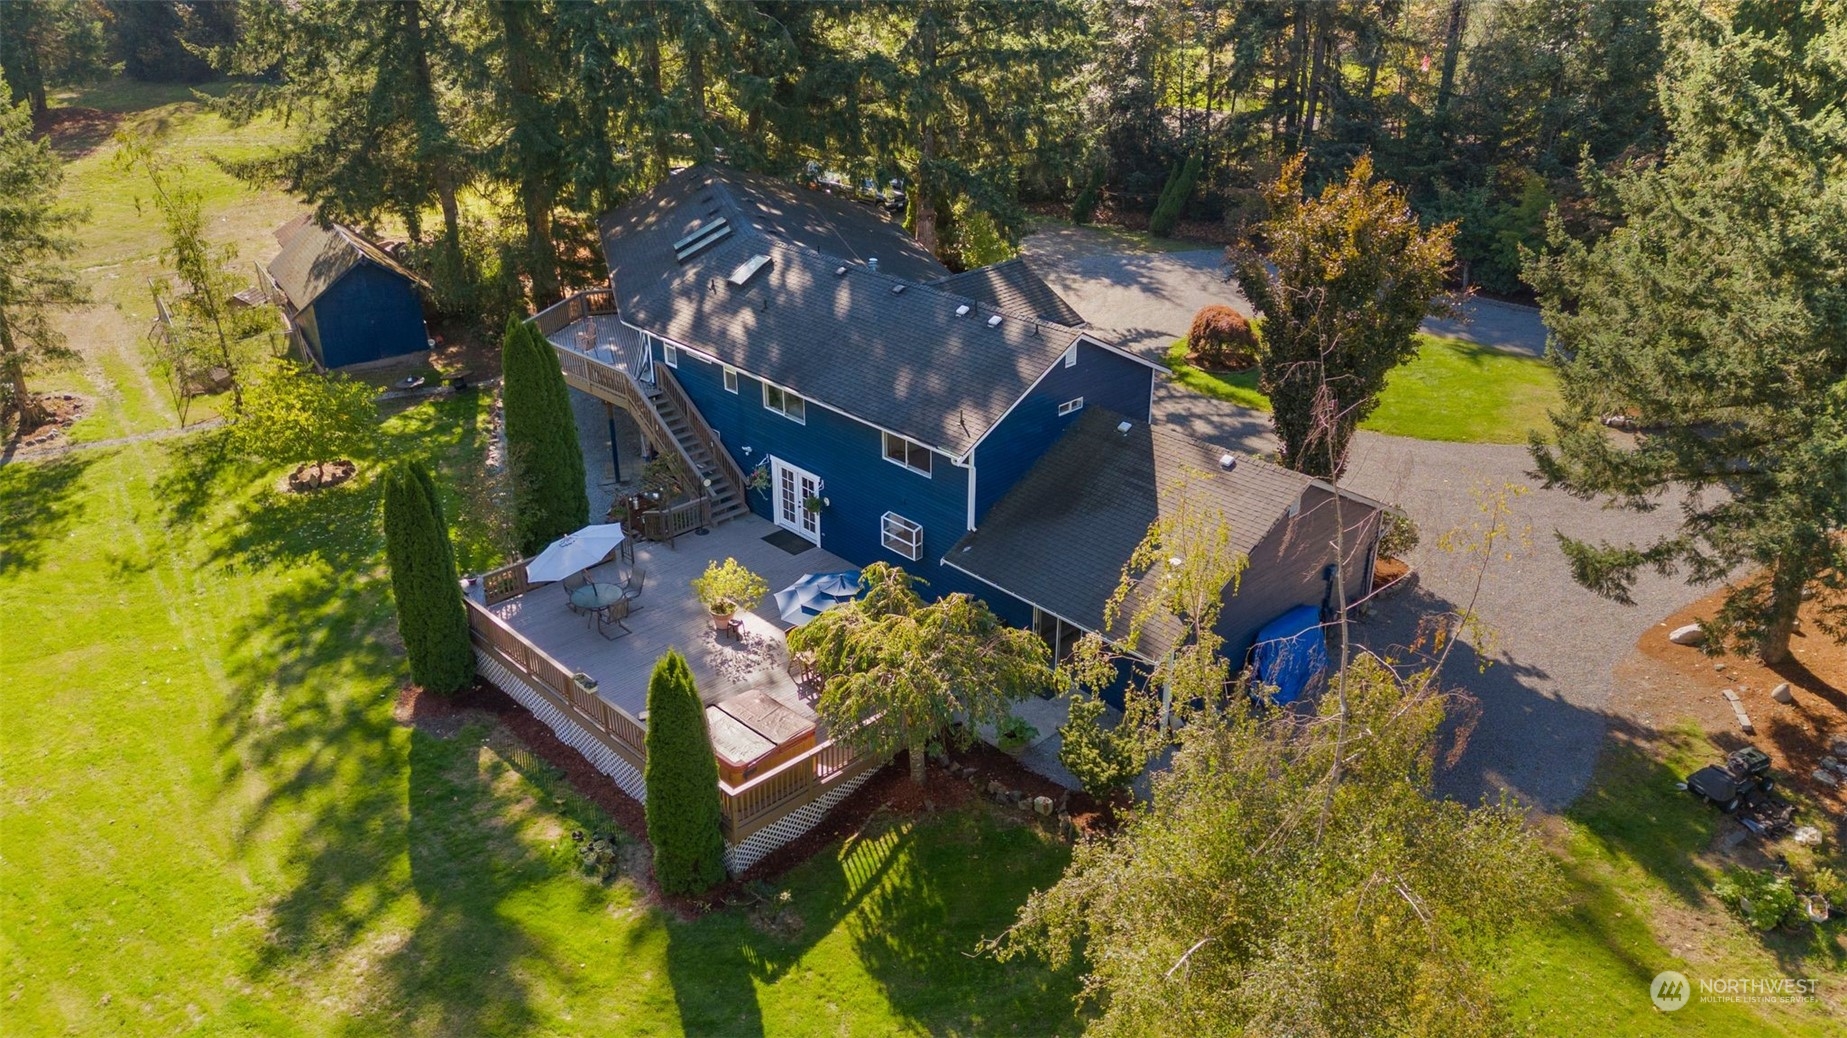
<point x="1716" y="318"/>
<point x="682" y="778"/>
<point x="1343" y="283"/>
<point x="35" y="239"/>
<point x="550" y="498"/>
<point x="432" y="621"/>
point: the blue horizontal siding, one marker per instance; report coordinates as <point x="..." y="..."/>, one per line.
<point x="369" y="314"/>
<point x="1102" y="377"/>
<point x="860" y="485"/>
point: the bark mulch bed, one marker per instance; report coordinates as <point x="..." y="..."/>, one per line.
<point x="980" y="772"/>
<point x="1662" y="683"/>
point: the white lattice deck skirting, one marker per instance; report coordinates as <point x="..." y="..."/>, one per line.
<point x="758" y="845"/>
<point x="568" y="731"/>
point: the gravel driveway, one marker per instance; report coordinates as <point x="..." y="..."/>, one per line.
<point x="1546" y="693"/>
<point x="1145" y="299"/>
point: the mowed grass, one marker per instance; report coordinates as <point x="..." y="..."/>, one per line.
<point x="1633" y="851"/>
<point x="121" y="241"/>
<point x="213" y="823"/>
<point x="1452" y="390"/>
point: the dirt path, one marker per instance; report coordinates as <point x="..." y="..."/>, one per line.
<point x="12" y="453"/>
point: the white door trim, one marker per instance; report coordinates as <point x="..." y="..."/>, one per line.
<point x="791" y="487"/>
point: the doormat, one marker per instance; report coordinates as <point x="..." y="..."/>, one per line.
<point x="792" y="543"/>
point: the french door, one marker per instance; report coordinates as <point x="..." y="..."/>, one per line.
<point x="794" y="489"/>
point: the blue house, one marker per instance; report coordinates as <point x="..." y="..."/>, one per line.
<point x="968" y="427"/>
<point x="344" y="299"/>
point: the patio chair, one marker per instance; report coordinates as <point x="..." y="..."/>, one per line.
<point x="609" y="620"/>
<point x="637" y="580"/>
<point x="571" y="584"/>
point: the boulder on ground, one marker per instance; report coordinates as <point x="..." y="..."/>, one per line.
<point x="1782" y="694"/>
<point x="1691" y="634"/>
<point x="1824" y="777"/>
<point x="1043" y="806"/>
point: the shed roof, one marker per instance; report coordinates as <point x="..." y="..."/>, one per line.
<point x="314" y="256"/>
<point x="884" y="345"/>
<point x="1062" y="536"/>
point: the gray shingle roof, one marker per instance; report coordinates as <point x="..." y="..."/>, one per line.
<point x="1012" y="286"/>
<point x="314" y="257"/>
<point x="1061" y="537"/>
<point x="904" y="361"/>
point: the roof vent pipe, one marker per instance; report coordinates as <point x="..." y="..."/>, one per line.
<point x="1227" y="462"/>
<point x="872" y="264"/>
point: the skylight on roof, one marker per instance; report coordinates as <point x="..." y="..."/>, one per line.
<point x="743" y="271"/>
<point x="701" y="238"/>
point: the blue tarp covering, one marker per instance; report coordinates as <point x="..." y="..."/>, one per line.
<point x="1291" y="654"/>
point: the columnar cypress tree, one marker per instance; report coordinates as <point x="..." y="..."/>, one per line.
<point x="547" y="462"/>
<point x="682" y="777"/>
<point x="424" y="583"/>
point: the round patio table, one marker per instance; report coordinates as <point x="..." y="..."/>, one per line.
<point x="596" y="596"/>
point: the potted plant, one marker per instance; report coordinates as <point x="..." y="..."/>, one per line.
<point x="724" y="587"/>
<point x="814" y="504"/>
<point x="1016" y="734"/>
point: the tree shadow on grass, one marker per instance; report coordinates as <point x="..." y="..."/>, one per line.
<point x="919" y="931"/>
<point x="39" y="503"/>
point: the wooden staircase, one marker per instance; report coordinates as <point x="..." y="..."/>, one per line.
<point x="687" y="426"/>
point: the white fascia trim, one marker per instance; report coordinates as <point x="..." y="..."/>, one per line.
<point x="1004" y="415"/>
<point x="1350" y="495"/>
<point x="944" y="561"/>
<point x="1120" y="352"/>
<point x="791" y="389"/>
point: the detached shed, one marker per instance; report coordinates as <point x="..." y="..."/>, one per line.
<point x="346" y="300"/>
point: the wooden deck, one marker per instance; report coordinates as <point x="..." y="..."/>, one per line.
<point x="670" y="617"/>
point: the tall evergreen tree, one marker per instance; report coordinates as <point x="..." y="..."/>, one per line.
<point x="35" y="240"/>
<point x="682" y="778"/>
<point x="1343" y="282"/>
<point x="550" y="498"/>
<point x="49" y="43"/>
<point x="1716" y="316"/>
<point x="432" y="621"/>
<point x="373" y="89"/>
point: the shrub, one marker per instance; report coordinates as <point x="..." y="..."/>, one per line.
<point x="1084" y="207"/>
<point x="1397" y="534"/>
<point x="1173" y="197"/>
<point x="1220" y="338"/>
<point x="727" y="585"/>
<point x="682" y="780"/>
<point x="432" y="620"/>
<point x="1764" y="900"/>
<point x="1015" y="732"/>
<point x="1104" y="762"/>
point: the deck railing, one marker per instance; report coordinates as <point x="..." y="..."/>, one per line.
<point x="574" y="308"/>
<point x="745" y="809"/>
<point x="670" y="386"/>
<point x="509" y="581"/>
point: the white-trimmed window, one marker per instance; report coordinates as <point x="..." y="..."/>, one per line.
<point x="1071" y="406"/>
<point x="785" y="403"/>
<point x="909" y="453"/>
<point x="731" y="379"/>
<point x="901" y="535"/>
<point x="670" y="355"/>
<point x="1071" y="357"/>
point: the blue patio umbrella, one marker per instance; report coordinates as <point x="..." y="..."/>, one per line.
<point x="815" y="593"/>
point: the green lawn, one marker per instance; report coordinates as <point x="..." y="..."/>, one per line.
<point x="213" y="823"/>
<point x="1635" y="857"/>
<point x="1453" y="390"/>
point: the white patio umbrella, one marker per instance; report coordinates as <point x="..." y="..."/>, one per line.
<point x="574" y="552"/>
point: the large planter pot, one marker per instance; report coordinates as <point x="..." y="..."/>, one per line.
<point x="719" y="620"/>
